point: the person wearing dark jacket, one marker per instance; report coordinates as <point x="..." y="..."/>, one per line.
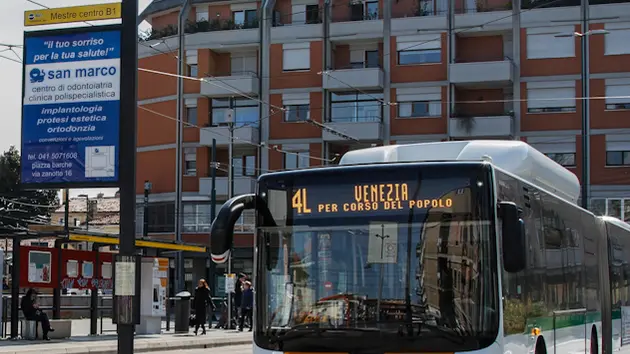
<point x="202" y="300"/>
<point x="247" y="306"/>
<point x="31" y="311"/>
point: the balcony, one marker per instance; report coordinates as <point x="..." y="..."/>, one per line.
<point x="487" y="73"/>
<point x="226" y="86"/>
<point x="352" y="79"/>
<point x="242" y="185"/>
<point x="364" y="130"/>
<point x="244" y="135"/>
<point x="481" y="126"/>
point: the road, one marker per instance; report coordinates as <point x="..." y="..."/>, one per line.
<point x="237" y="349"/>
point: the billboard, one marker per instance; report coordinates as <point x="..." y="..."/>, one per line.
<point x="71" y="108"/>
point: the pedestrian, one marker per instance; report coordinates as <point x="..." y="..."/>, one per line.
<point x="31" y="311"/>
<point x="202" y="300"/>
<point x="247" y="306"/>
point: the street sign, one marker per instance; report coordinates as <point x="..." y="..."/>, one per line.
<point x="71" y="108"/>
<point x="72" y="14"/>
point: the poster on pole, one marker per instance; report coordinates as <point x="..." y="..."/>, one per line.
<point x="71" y="108"/>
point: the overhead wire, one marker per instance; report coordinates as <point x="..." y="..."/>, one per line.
<point x="265" y="146"/>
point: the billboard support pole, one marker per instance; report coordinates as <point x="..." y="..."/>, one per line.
<point x="127" y="306"/>
<point x="15" y="287"/>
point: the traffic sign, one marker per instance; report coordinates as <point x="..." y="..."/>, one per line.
<point x="72" y="14"/>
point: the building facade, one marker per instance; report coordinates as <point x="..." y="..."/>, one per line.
<point x="307" y="80"/>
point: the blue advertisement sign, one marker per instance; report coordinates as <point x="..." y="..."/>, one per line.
<point x="71" y="109"/>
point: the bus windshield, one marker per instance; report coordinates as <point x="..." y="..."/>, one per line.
<point x="406" y="251"/>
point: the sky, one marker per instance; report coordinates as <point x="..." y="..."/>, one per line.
<point x="11" y="33"/>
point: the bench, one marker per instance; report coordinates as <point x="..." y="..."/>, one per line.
<point x="33" y="330"/>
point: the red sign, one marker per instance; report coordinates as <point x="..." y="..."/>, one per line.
<point x="328" y="285"/>
<point x="79" y="269"/>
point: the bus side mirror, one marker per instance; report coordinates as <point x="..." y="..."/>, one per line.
<point x="514" y="245"/>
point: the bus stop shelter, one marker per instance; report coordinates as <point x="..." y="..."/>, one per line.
<point x="144" y="246"/>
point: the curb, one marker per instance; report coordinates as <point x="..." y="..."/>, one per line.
<point x="146" y="346"/>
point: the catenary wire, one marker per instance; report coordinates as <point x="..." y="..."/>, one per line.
<point x="236" y="138"/>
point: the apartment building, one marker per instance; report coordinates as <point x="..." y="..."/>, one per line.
<point x="370" y="73"/>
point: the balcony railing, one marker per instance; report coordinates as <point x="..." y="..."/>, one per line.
<point x="201" y="26"/>
<point x="312" y="17"/>
<point x="356" y="12"/>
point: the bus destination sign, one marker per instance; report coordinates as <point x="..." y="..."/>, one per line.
<point x="396" y="197"/>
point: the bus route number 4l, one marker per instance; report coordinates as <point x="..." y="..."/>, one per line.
<point x="298" y="202"/>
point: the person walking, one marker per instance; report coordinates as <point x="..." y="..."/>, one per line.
<point x="202" y="300"/>
<point x="31" y="311"/>
<point x="247" y="306"/>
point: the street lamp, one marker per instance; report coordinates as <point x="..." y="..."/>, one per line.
<point x="584" y="76"/>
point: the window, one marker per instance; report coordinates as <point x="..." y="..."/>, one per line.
<point x="193" y="70"/>
<point x="616" y="41"/>
<point x="245" y="112"/>
<point x="296" y="56"/>
<point x="190" y="158"/>
<point x="201" y="14"/>
<point x="543" y="43"/>
<point x="615" y="207"/>
<point x="161" y="217"/>
<point x="297" y="106"/>
<point x="297" y="113"/>
<point x="298" y="159"/>
<point x="244" y="166"/>
<point x="371" y="59"/>
<point x="243" y="64"/>
<point x="371" y="10"/>
<point x="298" y="15"/>
<point x="245" y="18"/>
<point x="191" y="116"/>
<point x="419" y="109"/>
<point x="196" y="217"/>
<point x="561" y="149"/>
<point x="424" y="49"/>
<point x="418" y="102"/>
<point x="361" y="58"/>
<point x="312" y="14"/>
<point x="617" y="94"/>
<point x="356" y="107"/>
<point x="618" y="158"/>
<point x="566" y="159"/>
<point x="551" y="97"/>
<point x="618" y="150"/>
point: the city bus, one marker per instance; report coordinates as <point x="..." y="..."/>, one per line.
<point x="448" y="247"/>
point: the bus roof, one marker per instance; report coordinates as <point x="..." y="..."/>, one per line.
<point x="512" y="156"/>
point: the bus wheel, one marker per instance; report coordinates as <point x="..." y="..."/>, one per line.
<point x="594" y="346"/>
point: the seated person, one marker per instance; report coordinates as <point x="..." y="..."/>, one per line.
<point x="31" y="311"/>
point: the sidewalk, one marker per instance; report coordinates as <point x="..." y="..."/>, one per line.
<point x="80" y="342"/>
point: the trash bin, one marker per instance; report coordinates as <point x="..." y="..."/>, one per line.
<point x="182" y="312"/>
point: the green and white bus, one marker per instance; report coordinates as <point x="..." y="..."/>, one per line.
<point x="448" y="247"/>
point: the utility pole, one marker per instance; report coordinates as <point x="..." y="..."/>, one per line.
<point x="213" y="203"/>
<point x="126" y="265"/>
<point x="586" y="131"/>
<point x="585" y="101"/>
<point x="179" y="132"/>
<point x="230" y="118"/>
